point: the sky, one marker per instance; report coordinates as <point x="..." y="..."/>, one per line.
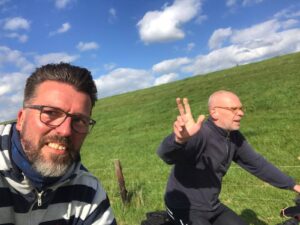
<point x="134" y="44"/>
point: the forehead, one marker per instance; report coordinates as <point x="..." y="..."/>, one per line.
<point x="228" y="99"/>
<point x="61" y="95"/>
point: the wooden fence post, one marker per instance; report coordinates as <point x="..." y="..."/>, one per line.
<point x="121" y="181"/>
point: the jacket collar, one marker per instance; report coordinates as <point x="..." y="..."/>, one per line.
<point x="221" y="131"/>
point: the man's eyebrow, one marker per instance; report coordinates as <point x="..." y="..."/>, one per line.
<point x="74" y="114"/>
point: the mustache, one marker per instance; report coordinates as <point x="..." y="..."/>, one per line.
<point x="55" y="138"/>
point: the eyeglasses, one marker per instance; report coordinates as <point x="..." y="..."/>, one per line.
<point x="232" y="109"/>
<point x="54" y="117"/>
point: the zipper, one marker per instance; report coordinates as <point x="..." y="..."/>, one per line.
<point x="39" y="203"/>
<point x="228" y="146"/>
<point x="39" y="197"/>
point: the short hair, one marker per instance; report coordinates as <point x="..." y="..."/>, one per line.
<point x="78" y="77"/>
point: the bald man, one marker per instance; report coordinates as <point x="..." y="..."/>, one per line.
<point x="201" y="153"/>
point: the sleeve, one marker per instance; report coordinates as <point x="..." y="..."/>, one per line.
<point x="98" y="211"/>
<point x="102" y="215"/>
<point x="172" y="152"/>
<point x="292" y="211"/>
<point x="257" y="165"/>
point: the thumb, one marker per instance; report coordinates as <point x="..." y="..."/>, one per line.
<point x="200" y="120"/>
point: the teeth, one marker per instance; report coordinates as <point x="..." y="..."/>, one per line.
<point x="56" y="146"/>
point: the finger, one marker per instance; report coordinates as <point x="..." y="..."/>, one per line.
<point x="200" y="119"/>
<point x="180" y="106"/>
<point x="179" y="139"/>
<point x="179" y="124"/>
<point x="187" y="106"/>
<point x="177" y="130"/>
<point x="181" y="120"/>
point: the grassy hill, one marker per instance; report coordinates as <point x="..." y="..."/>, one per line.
<point x="131" y="126"/>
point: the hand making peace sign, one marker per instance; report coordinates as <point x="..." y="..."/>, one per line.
<point x="185" y="126"/>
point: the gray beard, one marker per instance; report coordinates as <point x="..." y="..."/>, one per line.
<point x="50" y="169"/>
<point x="58" y="164"/>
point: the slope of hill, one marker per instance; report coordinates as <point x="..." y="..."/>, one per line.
<point x="131" y="126"/>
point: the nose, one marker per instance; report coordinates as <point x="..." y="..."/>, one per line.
<point x="241" y="113"/>
<point x="65" y="129"/>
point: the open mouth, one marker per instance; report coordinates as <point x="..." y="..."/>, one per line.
<point x="57" y="146"/>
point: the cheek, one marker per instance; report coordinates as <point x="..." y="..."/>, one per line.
<point x="78" y="141"/>
<point x="32" y="130"/>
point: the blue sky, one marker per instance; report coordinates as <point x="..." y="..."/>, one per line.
<point x="135" y="44"/>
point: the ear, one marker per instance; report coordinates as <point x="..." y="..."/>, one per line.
<point x="20" y="119"/>
<point x="214" y="114"/>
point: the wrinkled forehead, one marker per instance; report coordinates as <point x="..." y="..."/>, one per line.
<point x="224" y="99"/>
<point x="230" y="99"/>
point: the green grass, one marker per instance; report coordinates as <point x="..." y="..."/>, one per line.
<point x="131" y="126"/>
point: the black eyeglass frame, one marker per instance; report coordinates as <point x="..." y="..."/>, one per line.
<point x="91" y="122"/>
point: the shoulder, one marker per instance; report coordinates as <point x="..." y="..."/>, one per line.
<point x="5" y="129"/>
<point x="5" y="143"/>
<point x="237" y="137"/>
<point x="87" y="182"/>
<point x="83" y="177"/>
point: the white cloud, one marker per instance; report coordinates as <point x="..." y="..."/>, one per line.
<point x="110" y="66"/>
<point x="14" y="58"/>
<point x="122" y="80"/>
<point x="289" y="23"/>
<point x="60" y="4"/>
<point x="166" y="25"/>
<point x="244" y="3"/>
<point x="217" y="60"/>
<point x="21" y="37"/>
<point x="11" y="94"/>
<point x="64" y="28"/>
<point x="231" y="3"/>
<point x="287" y="13"/>
<point x="166" y="78"/>
<point x="113" y="12"/>
<point x="190" y="46"/>
<point x="16" y="23"/>
<point x="200" y="19"/>
<point x="4" y="89"/>
<point x="12" y="83"/>
<point x="251" y="2"/>
<point x="3" y="2"/>
<point x="218" y="37"/>
<point x="252" y="44"/>
<point x="236" y="47"/>
<point x="86" y="46"/>
<point x="56" y="57"/>
<point x="258" y="31"/>
<point x="112" y="15"/>
<point x="170" y="65"/>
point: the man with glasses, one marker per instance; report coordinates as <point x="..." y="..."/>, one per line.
<point x="42" y="180"/>
<point x="202" y="153"/>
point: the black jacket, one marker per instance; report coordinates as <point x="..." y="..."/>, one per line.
<point x="200" y="164"/>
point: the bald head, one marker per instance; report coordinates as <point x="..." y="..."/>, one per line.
<point x="220" y="98"/>
<point x="225" y="109"/>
